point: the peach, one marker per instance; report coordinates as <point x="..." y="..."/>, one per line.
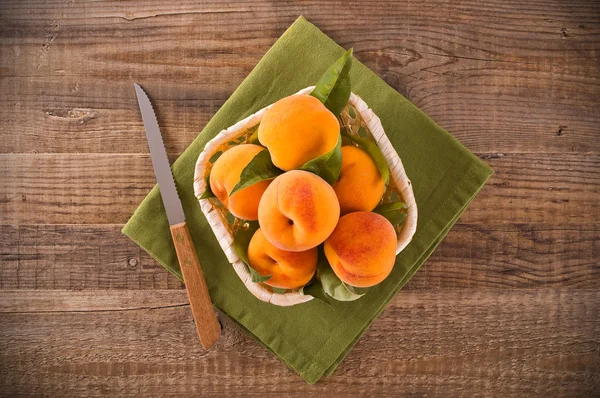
<point x="289" y="270"/>
<point x="359" y="186"/>
<point x="297" y="129"/>
<point x="298" y="211"/>
<point x="225" y="174"/>
<point x="362" y="249"/>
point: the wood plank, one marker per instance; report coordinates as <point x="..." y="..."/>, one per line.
<point x="512" y="31"/>
<point x="99" y="257"/>
<point x="493" y="342"/>
<point x="548" y="188"/>
<point x="62" y="301"/>
<point x="73" y="189"/>
<point x="99" y="189"/>
<point x="100" y="116"/>
<point x="473" y="67"/>
<point x="77" y="257"/>
<point x="513" y="256"/>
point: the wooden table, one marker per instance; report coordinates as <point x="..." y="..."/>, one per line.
<point x="509" y="304"/>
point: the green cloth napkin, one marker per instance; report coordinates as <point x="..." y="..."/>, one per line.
<point x="313" y="338"/>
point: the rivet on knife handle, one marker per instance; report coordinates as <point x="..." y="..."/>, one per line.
<point x="202" y="308"/>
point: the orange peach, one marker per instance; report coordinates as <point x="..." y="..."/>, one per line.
<point x="362" y="249"/>
<point x="298" y="211"/>
<point x="360" y="186"/>
<point x="225" y="174"/>
<point x="289" y="270"/>
<point x="297" y="129"/>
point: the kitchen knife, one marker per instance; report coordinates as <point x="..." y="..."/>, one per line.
<point x="202" y="309"/>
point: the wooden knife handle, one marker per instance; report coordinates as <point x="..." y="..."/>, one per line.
<point x="204" y="314"/>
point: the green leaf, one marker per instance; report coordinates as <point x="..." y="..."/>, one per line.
<point x="239" y="140"/>
<point x="332" y="285"/>
<point x="357" y="290"/>
<point x="327" y="166"/>
<point x="241" y="240"/>
<point x="256" y="277"/>
<point x="215" y="156"/>
<point x="279" y="290"/>
<point x="230" y="218"/>
<point x="333" y="88"/>
<point x="315" y="289"/>
<point x="351" y="112"/>
<point x="259" y="169"/>
<point x="373" y="150"/>
<point x="208" y="193"/>
<point x="394" y="212"/>
<point x="254" y="137"/>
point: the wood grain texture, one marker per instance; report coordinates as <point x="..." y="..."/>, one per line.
<point x="477" y="256"/>
<point x="202" y="308"/>
<point x="528" y="67"/>
<point x="77" y="257"/>
<point x="96" y="189"/>
<point x="523" y="345"/>
<point x="507" y="306"/>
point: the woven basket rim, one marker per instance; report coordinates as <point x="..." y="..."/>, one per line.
<point x="222" y="233"/>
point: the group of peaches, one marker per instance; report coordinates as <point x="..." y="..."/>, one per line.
<point x="298" y="211"/>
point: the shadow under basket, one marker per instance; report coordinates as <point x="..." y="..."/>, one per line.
<point x="357" y="116"/>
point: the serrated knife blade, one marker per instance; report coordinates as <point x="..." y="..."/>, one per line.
<point x="160" y="161"/>
<point x="202" y="309"/>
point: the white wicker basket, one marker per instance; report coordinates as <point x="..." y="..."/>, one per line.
<point x="223" y="233"/>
